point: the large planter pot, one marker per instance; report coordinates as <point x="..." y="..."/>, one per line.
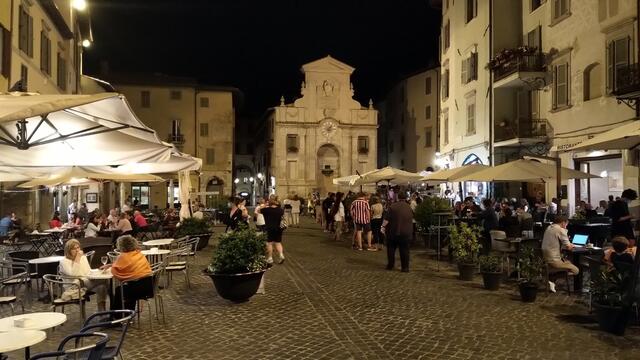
<point x="236" y="287"/>
<point x="492" y="280"/>
<point x="528" y="291"/>
<point x="204" y="240"/>
<point x="466" y="271"/>
<point x="612" y="319"/>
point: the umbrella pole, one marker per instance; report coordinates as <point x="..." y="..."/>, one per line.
<point x="558" y="184"/>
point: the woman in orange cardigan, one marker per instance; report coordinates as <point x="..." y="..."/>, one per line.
<point x="130" y="265"/>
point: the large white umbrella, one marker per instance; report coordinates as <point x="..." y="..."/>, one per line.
<point x="524" y="170"/>
<point x="74" y="130"/>
<point x="79" y="175"/>
<point x="622" y="137"/>
<point x="388" y="174"/>
<point x="184" y="182"/>
<point x="447" y="175"/>
<point x="345" y="180"/>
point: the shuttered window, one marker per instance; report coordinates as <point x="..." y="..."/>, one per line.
<point x="5" y="52"/>
<point x="211" y="156"/>
<point x="45" y="53"/>
<point x="62" y="72"/>
<point x="25" y="32"/>
<point x="618" y="56"/>
<point x="204" y="129"/>
<point x="561" y="85"/>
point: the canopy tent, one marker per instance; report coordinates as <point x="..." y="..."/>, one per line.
<point x="345" y="180"/>
<point x="389" y="174"/>
<point x="74" y="130"/>
<point x="79" y="175"/>
<point x="526" y="171"/>
<point x="447" y="175"/>
<point x="623" y="137"/>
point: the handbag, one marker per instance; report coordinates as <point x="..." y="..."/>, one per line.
<point x="283" y="223"/>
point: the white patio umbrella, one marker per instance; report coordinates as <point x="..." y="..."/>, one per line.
<point x="79" y="175"/>
<point x="184" y="182"/>
<point x="345" y="180"/>
<point x="388" y="174"/>
<point x="447" y="175"/>
<point x="70" y="130"/>
<point x="526" y="171"/>
<point x="623" y="137"/>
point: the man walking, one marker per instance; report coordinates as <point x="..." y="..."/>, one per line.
<point x="326" y="207"/>
<point x="361" y="214"/>
<point x="398" y="227"/>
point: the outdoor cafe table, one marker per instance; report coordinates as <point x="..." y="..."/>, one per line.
<point x="35" y="321"/>
<point x="106" y="275"/>
<point x="20" y="339"/>
<point x="597" y="232"/>
<point x="574" y="255"/>
<point x="155" y="255"/>
<point x="158" y="242"/>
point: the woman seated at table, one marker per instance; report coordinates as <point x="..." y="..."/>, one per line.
<point x="124" y="225"/>
<point x="74" y="221"/>
<point x="75" y="264"/>
<point x="55" y="221"/>
<point x="93" y="227"/>
<point x="621" y="252"/>
<point x="130" y="265"/>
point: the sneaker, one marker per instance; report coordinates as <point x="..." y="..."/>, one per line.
<point x="281" y="259"/>
<point x="270" y="260"/>
<point x="552" y="287"/>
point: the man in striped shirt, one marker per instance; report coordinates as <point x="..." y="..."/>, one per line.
<point x="361" y="215"/>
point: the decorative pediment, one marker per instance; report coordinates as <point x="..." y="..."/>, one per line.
<point x="327" y="65"/>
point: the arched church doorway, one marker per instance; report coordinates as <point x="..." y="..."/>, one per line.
<point x="214" y="192"/>
<point x="328" y="167"/>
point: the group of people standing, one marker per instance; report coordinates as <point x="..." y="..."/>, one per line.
<point x="371" y="221"/>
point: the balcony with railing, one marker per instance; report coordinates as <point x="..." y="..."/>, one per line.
<point x="176" y="139"/>
<point x="627" y="82"/>
<point x="521" y="131"/>
<point x="517" y="67"/>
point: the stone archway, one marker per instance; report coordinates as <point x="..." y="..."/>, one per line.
<point x="328" y="167"/>
<point x="215" y="192"/>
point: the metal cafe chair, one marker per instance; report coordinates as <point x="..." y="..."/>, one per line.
<point x="94" y="351"/>
<point x="113" y="319"/>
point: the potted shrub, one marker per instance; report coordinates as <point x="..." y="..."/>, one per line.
<point x="530" y="268"/>
<point x="238" y="264"/>
<point x="194" y="227"/>
<point x="491" y="270"/>
<point x="465" y="247"/>
<point x="610" y="300"/>
<point x="423" y="214"/>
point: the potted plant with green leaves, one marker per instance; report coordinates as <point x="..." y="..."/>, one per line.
<point x="238" y="264"/>
<point x="194" y="227"/>
<point x="611" y="302"/>
<point x="423" y="214"/>
<point x="491" y="270"/>
<point x="465" y="247"/>
<point x="530" y="267"/>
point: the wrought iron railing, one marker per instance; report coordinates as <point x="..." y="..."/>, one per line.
<point x="522" y="128"/>
<point x="176" y="139"/>
<point x="518" y="63"/>
<point x="627" y="79"/>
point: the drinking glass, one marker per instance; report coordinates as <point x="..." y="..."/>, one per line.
<point x="104" y="260"/>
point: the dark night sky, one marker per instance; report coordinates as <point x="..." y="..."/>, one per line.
<point x="259" y="45"/>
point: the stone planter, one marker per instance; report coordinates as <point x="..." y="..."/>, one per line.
<point x="611" y="319"/>
<point x="492" y="280"/>
<point x="204" y="240"/>
<point x="528" y="291"/>
<point x="466" y="271"/>
<point x="236" y="287"/>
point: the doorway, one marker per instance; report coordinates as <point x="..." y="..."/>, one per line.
<point x="327" y="168"/>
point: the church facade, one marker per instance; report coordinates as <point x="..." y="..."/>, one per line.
<point x="322" y="135"/>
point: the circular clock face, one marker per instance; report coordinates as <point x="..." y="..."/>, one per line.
<point x="328" y="128"/>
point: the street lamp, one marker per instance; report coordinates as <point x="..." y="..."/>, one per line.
<point x="79" y="5"/>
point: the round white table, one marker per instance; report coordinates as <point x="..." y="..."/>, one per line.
<point x="46" y="260"/>
<point x="55" y="230"/>
<point x="35" y="321"/>
<point x="158" y="242"/>
<point x="155" y="255"/>
<point x="20" y="339"/>
<point x="97" y="274"/>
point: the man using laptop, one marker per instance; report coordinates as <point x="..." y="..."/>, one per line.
<point x="555" y="239"/>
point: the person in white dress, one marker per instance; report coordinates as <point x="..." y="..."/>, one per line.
<point x="337" y="211"/>
<point x="93" y="227"/>
<point x="75" y="264"/>
<point x="260" y="223"/>
<point x="295" y="210"/>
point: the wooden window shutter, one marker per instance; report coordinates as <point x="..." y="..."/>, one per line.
<point x="30" y="35"/>
<point x="555" y="87"/>
<point x="6" y="53"/>
<point x="610" y="65"/>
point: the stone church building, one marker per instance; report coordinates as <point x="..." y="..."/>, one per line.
<point x="324" y="134"/>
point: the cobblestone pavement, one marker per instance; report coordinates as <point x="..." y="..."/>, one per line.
<point x="330" y="302"/>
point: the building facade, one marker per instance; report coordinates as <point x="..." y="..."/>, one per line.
<point x="553" y="70"/>
<point x="40" y="51"/>
<point x="320" y="136"/>
<point x="408" y="123"/>
<point x="199" y="120"/>
<point x="465" y="108"/>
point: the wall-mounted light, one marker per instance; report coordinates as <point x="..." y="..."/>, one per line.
<point x="236" y="181"/>
<point x="260" y="176"/>
<point x="86" y="43"/>
<point x="80" y="5"/>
